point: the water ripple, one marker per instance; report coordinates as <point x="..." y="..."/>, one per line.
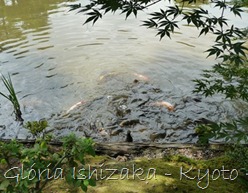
<point x="39" y="65"/>
<point x="92" y="44"/>
<point x="45" y="47"/>
<point x="50" y="76"/>
<point x="49" y="53"/>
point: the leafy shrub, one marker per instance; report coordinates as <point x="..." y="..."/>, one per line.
<point x="28" y="170"/>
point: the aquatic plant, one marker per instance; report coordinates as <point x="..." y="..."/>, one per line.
<point x="12" y="97"/>
<point x="36" y="127"/>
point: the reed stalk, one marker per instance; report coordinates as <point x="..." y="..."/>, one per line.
<point x="12" y="97"/>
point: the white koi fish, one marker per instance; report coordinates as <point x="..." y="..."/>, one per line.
<point x="169" y="106"/>
<point x="141" y="77"/>
<point x="75" y="106"/>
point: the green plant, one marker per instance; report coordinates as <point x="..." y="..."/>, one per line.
<point x="12" y="97"/>
<point x="239" y="155"/>
<point x="36" y="127"/>
<point x="28" y="170"/>
<point x="206" y="132"/>
<point x="234" y="132"/>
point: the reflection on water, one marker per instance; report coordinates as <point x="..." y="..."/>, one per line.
<point x="18" y="17"/>
<point x="55" y="61"/>
<point x="197" y="3"/>
<point x="23" y="26"/>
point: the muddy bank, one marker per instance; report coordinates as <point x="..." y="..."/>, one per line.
<point x="130" y="101"/>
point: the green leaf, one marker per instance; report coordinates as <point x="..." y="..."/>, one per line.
<point x="236" y="10"/>
<point x="204" y="30"/>
<point x="131" y="7"/>
<point x="43" y="145"/>
<point x="3" y="161"/>
<point x="150" y="24"/>
<point x="83" y="187"/>
<point x="172" y="10"/>
<point x="69" y="178"/>
<point x="74" y="6"/>
<point x="94" y="16"/>
<point x="220" y="4"/>
<point x="92" y="182"/>
<point x="162" y="33"/>
<point x="4" y="184"/>
<point x="86" y="182"/>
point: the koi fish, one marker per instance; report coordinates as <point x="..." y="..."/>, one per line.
<point x="75" y="106"/>
<point x="165" y="104"/>
<point x="102" y="132"/>
<point x="141" y="77"/>
<point x="106" y="76"/>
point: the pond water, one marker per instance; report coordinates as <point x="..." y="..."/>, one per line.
<point x="55" y="62"/>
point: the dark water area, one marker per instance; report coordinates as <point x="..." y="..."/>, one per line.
<point x="103" y="80"/>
